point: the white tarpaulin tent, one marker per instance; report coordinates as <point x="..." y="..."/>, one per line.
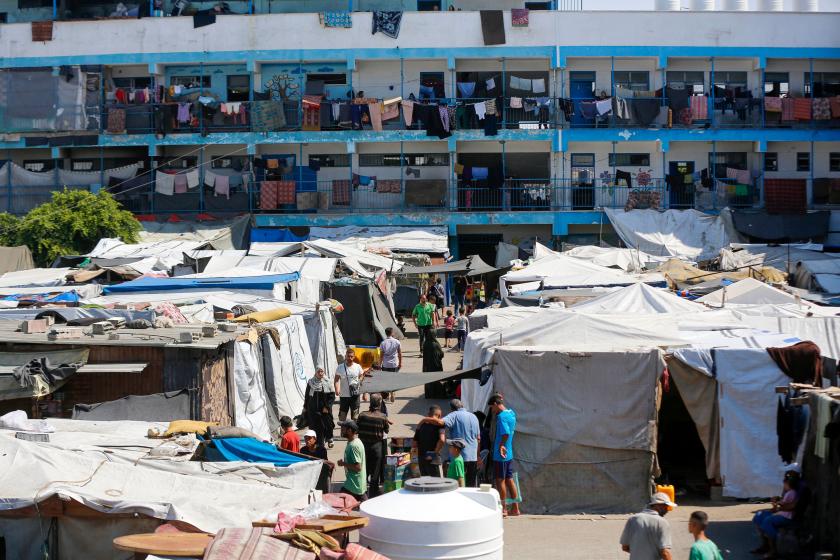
<point x="564" y="329"/>
<point x="595" y="453"/>
<point x="750" y="291"/>
<point x="685" y="234"/>
<point x="638" y="298"/>
<point x="628" y="260"/>
<point x="169" y="252"/>
<point x="287" y="368"/>
<point x="34" y="277"/>
<point x="560" y="271"/>
<point x="380" y="239"/>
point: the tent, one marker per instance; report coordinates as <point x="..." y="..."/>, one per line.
<point x="595" y="452"/>
<point x="750" y="291"/>
<point x="265" y="282"/>
<point x="680" y="274"/>
<point x="638" y="298"/>
<point x="366" y="312"/>
<point x="567" y="330"/>
<point x="628" y="260"/>
<point x="160" y="407"/>
<point x="471" y="266"/>
<point x="684" y="234"/>
<point x="15" y="258"/>
<point x="562" y="271"/>
<point x="384" y="239"/>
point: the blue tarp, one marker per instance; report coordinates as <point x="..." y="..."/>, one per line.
<point x="167" y="284"/>
<point x="51" y="297"/>
<point x="271" y="235"/>
<point x="254" y="451"/>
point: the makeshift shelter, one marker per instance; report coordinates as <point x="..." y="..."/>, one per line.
<point x="638" y="298"/>
<point x="160" y="407"/>
<point x="471" y="266"/>
<point x="215" y="234"/>
<point x="628" y="260"/>
<point x="366" y="312"/>
<point x="15" y="258"/>
<point x="597" y="451"/>
<point x="749" y="291"/>
<point x="384" y="240"/>
<point x="679" y="274"/>
<point x="270" y="283"/>
<point x="809" y="267"/>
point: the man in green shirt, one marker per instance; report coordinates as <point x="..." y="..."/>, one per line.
<point x="703" y="548"/>
<point x="456" y="469"/>
<point x="354" y="462"/>
<point x="424" y="318"/>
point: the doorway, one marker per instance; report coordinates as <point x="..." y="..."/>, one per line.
<point x="581" y="88"/>
<point x="481" y="244"/>
<point x="681" y="455"/>
<point x="583" y="181"/>
<point x="681" y="184"/>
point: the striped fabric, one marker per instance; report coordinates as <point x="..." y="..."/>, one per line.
<point x="341" y="192"/>
<point x="802" y="109"/>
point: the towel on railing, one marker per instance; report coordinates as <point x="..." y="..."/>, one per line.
<point x="699" y="107"/>
<point x="519" y="17"/>
<point x="336" y="19"/>
<point x="773" y="104"/>
<point x="341" y="192"/>
<point x="387" y="23"/>
<point x="822" y="109"/>
<point x="802" y="109"/>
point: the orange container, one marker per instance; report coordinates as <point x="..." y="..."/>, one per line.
<point x="667" y="489"/>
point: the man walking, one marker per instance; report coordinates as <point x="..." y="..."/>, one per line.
<point x="353" y="462"/>
<point x="348" y="386"/>
<point x="373" y="425"/>
<point x="646" y="535"/>
<point x="703" y="547"/>
<point x="462" y="425"/>
<point x="390" y="352"/>
<point x="503" y="452"/>
<point x="428" y="441"/>
<point x="424" y="319"/>
<point x="460" y="292"/>
<point x="440" y="296"/>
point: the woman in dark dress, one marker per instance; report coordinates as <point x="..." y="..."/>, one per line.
<point x="317" y="406"/>
<point x="432" y="361"/>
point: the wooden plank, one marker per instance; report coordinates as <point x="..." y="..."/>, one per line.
<point x="326" y="523"/>
<point x="189" y="545"/>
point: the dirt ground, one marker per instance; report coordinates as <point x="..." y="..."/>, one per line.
<point x="572" y="537"/>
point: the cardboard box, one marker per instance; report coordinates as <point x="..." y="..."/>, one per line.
<point x="398" y="459"/>
<point x="393" y="473"/>
<point x="390" y="486"/>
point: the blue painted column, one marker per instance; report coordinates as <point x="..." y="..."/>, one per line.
<point x="453" y="241"/>
<point x="201" y="167"/>
<point x="712" y="92"/>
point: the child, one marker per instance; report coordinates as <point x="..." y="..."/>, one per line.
<point x="462" y="328"/>
<point x="456" y="462"/>
<point x="290" y="440"/>
<point x="703" y="548"/>
<point x="449" y="326"/>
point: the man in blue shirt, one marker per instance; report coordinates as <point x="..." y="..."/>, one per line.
<point x="462" y="424"/>
<point x="503" y="451"/>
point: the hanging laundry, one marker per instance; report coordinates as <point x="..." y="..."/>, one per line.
<point x="621" y="108"/>
<point x="490" y="105"/>
<point x="515" y="102"/>
<point x="491" y="125"/>
<point x="802" y="109"/>
<point x="387" y="23"/>
<point x="180" y="184"/>
<point x="408" y="112"/>
<point x="787" y="109"/>
<point x="490" y="84"/>
<point x="444" y="117"/>
<point x="466" y="89"/>
<point x="341" y="192"/>
<point x="623" y="176"/>
<point x="203" y="18"/>
<point x="515" y="83"/>
<point x="699" y="107"/>
<point x="336" y="19"/>
<point x="222" y="186"/>
<point x="480" y="173"/>
<point x="743" y="177"/>
<point x="493" y="27"/>
<point x="184" y="112"/>
<point x="822" y="109"/>
<point x="116" y="121"/>
<point x="538" y="85"/>
<point x="519" y="17"/>
<point x="835" y="106"/>
<point x="164" y="183"/>
<point x="480" y="110"/>
<point x="286" y="192"/>
<point x="459" y="169"/>
<point x="311" y="112"/>
<point x="773" y="104"/>
<point x="268" y="195"/>
<point x="375" y="115"/>
<point x="209" y="178"/>
<point x="192" y="179"/>
<point x="603" y="107"/>
<point x="391" y="109"/>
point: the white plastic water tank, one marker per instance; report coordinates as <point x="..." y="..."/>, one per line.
<point x="431" y="518"/>
<point x="668" y="5"/>
<point x="703" y="5"/>
<point x="807" y="5"/>
<point x="736" y="5"/>
<point x="772" y="5"/>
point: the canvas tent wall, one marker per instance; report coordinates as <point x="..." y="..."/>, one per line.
<point x="15" y="258"/>
<point x="366" y="312"/>
<point x="596" y="453"/>
<point x="638" y="298"/>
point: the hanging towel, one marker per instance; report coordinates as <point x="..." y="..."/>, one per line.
<point x="493" y="27"/>
<point x="538" y="85"/>
<point x="165" y="183"/>
<point x="490" y="83"/>
<point x="391" y="110"/>
<point x="743" y="176"/>
<point x="802" y="109"/>
<point x="822" y="109"/>
<point x="444" y="117"/>
<point x="466" y="89"/>
<point x="515" y="102"/>
<point x="459" y="169"/>
<point x="375" y="116"/>
<point x="209" y="179"/>
<point x="835" y="106"/>
<point x="387" y="23"/>
<point x="268" y="195"/>
<point x="519" y="17"/>
<point x="490" y="105"/>
<point x="787" y="109"/>
<point x="515" y="83"/>
<point x="341" y="192"/>
<point x="773" y="104"/>
<point x="192" y="179"/>
<point x="731" y="173"/>
<point x="699" y="107"/>
<point x="180" y="184"/>
<point x="480" y="110"/>
<point x="285" y="192"/>
<point x="222" y="186"/>
<point x="184" y="112"/>
<point x="408" y="112"/>
<point x="336" y="19"/>
<point x="603" y="107"/>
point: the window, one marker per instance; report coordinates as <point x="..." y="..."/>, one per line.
<point x="692" y="81"/>
<point x="190" y="81"/>
<point x="432" y="85"/>
<point x="826" y="84"/>
<point x="328" y="79"/>
<point x="39" y="164"/>
<point x="731" y="80"/>
<point x="629" y="160"/>
<point x="413" y="160"/>
<point x="23" y="4"/>
<point x="176" y="162"/>
<point x="776" y="84"/>
<point x="803" y="161"/>
<point x="583" y="160"/>
<point x="637" y="81"/>
<point x="133" y="83"/>
<point x="238" y="87"/>
<point x="834" y="161"/>
<point x="83" y="165"/>
<point x="428" y="5"/>
<point x="330" y="160"/>
<point x="771" y="161"/>
<point x="537" y="5"/>
<point x="720" y="161"/>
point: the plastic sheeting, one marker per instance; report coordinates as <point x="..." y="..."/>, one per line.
<point x="34" y="277"/>
<point x="265" y="282"/>
<point x="250" y="398"/>
<point x="287" y="368"/>
<point x="560" y="271"/>
<point x="748" y="291"/>
<point x="218" y="234"/>
<point x="15" y="258"/>
<point x="638" y="298"/>
<point x="434" y="240"/>
<point x="160" y="407"/>
<point x="749" y="463"/>
<point x="595" y="453"/>
<point x="253" y="451"/>
<point x="685" y="234"/>
<point x="628" y="260"/>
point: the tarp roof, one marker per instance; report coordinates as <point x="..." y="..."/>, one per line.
<point x="34" y="277"/>
<point x="262" y="282"/>
<point x="433" y="239"/>
<point x="471" y="266"/>
<point x="320" y="268"/>
<point x="638" y="298"/>
<point x="15" y="258"/>
<point x="750" y="291"/>
<point x="628" y="260"/>
<point x="559" y="271"/>
<point x="218" y="234"/>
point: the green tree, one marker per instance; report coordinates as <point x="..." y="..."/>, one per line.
<point x="9" y="224"/>
<point x="72" y="223"/>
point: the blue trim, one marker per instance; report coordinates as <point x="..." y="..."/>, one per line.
<point x="351" y="55"/>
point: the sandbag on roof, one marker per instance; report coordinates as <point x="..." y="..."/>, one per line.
<point x="638" y="298"/>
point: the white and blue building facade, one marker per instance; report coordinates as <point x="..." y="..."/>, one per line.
<point x="552" y="169"/>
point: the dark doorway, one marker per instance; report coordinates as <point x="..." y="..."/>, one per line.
<point x="583" y="181"/>
<point x="481" y="244"/>
<point x="681" y="184"/>
<point x="511" y="181"/>
<point x="682" y="457"/>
